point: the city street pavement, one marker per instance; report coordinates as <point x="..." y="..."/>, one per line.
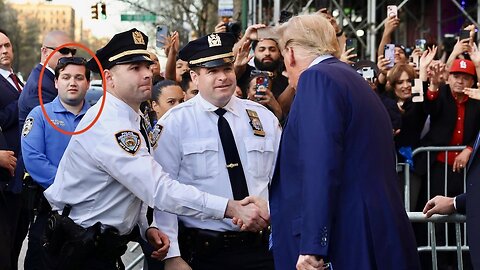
<point x="127" y="259"/>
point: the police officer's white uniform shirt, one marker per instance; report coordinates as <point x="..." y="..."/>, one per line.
<point x="190" y="150"/>
<point x="103" y="182"/>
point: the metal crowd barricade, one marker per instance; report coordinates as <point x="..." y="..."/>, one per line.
<point x="137" y="260"/>
<point x="420" y="217"/>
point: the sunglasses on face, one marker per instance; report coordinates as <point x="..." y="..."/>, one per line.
<point x="64" y="50"/>
<point x="72" y="60"/>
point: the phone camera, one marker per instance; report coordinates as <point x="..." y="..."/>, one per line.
<point x="234" y="27"/>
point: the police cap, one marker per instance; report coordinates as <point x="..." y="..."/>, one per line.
<point x="126" y="47"/>
<point x="209" y="51"/>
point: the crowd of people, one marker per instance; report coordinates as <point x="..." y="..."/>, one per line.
<point x="246" y="152"/>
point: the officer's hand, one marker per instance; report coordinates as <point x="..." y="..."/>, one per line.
<point x="176" y="263"/>
<point x="250" y="214"/>
<point x="8" y="161"/>
<point x="159" y="242"/>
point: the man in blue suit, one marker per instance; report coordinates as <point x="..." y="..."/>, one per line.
<point x="334" y="198"/>
<point x="466" y="204"/>
<point x="29" y="98"/>
<point x="10" y="184"/>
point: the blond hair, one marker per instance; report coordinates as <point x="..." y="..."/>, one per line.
<point x="313" y="33"/>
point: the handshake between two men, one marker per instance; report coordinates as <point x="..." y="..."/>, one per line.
<point x="249" y="214"/>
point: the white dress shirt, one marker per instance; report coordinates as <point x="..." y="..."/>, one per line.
<point x="103" y="182"/>
<point x="190" y="150"/>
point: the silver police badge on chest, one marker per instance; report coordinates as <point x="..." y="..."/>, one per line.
<point x="129" y="141"/>
<point x="255" y="123"/>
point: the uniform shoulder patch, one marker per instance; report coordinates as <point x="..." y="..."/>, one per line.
<point x="154" y="135"/>
<point x="128" y="140"/>
<point x="27" y="126"/>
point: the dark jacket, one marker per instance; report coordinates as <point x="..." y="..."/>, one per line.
<point x="468" y="203"/>
<point x="443" y="117"/>
<point x="334" y="192"/>
<point x="29" y="97"/>
<point x="10" y="130"/>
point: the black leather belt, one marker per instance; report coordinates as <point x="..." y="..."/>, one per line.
<point x="208" y="239"/>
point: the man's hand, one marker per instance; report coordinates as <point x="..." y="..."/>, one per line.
<point x="250" y="214"/>
<point x="176" y="263"/>
<point x="8" y="161"/>
<point x="251" y="31"/>
<point x="461" y="46"/>
<point x="390" y="25"/>
<point x="242" y="58"/>
<point x="472" y="92"/>
<point x="159" y="242"/>
<point x="436" y="74"/>
<point x="475" y="55"/>
<point x="346" y="56"/>
<point x="382" y="64"/>
<point x="461" y="160"/>
<point x="309" y="262"/>
<point x="439" y="205"/>
<point x="425" y="61"/>
<point x="220" y="28"/>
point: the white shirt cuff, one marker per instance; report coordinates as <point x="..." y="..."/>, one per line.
<point x="174" y="250"/>
<point x="215" y="206"/>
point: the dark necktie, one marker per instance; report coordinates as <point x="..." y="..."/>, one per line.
<point x="15" y="81"/>
<point x="143" y="130"/>
<point x="234" y="165"/>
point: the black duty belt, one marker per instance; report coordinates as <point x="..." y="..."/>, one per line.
<point x="208" y="239"/>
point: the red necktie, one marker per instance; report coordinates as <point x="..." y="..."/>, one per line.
<point x="15" y="81"/>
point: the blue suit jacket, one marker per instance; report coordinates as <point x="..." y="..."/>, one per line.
<point x="10" y="129"/>
<point x="334" y="192"/>
<point x="29" y="97"/>
<point x="468" y="203"/>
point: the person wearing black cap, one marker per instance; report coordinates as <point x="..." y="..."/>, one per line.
<point x="107" y="177"/>
<point x="230" y="145"/>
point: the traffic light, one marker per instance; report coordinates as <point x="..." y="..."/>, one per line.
<point x="94" y="9"/>
<point x="104" y="10"/>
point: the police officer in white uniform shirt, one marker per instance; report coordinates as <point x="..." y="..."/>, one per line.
<point x="107" y="176"/>
<point x="195" y="148"/>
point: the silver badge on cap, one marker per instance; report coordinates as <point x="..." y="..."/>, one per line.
<point x="214" y="40"/>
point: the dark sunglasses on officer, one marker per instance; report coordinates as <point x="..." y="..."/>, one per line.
<point x="64" y="50"/>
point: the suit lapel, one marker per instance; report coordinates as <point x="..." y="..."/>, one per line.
<point x="475" y="149"/>
<point x="8" y="85"/>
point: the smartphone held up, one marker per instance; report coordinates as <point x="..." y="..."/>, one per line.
<point x="161" y="35"/>
<point x="390" y="54"/>
<point x="352" y="43"/>
<point x="262" y="82"/>
<point x="392" y="11"/>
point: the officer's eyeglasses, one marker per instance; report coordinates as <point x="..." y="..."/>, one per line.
<point x="64" y="50"/>
<point x="72" y="60"/>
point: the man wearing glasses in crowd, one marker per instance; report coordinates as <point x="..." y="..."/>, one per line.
<point x="43" y="146"/>
<point x="29" y="98"/>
